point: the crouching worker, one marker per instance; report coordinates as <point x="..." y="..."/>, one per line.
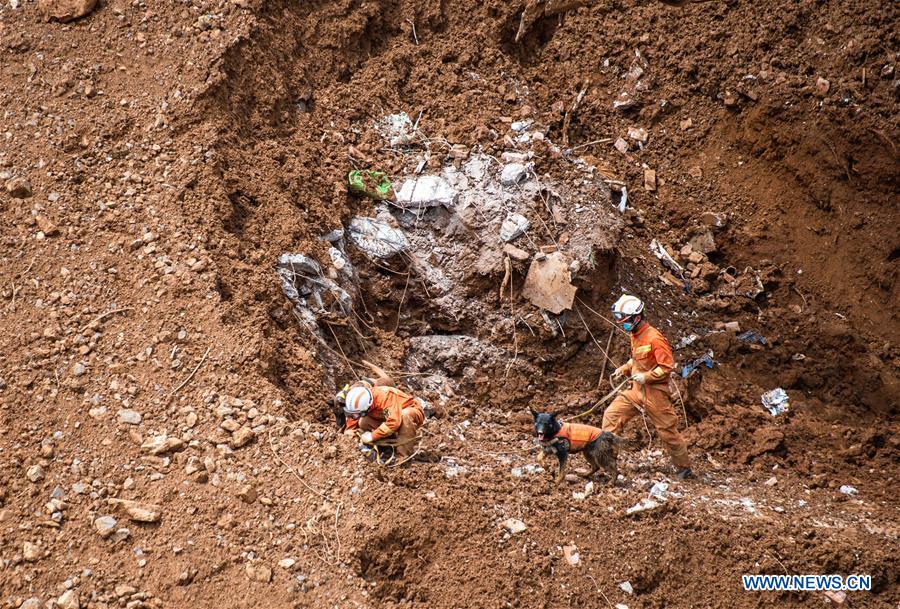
<point x="383" y="412"/>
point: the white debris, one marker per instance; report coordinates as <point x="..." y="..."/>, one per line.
<point x="526" y="470"/>
<point x="660" y="252"/>
<point x="512" y="174"/>
<point x="686" y="341"/>
<point x="624" y="202"/>
<point x="572" y="555"/>
<point x="519" y="126"/>
<point x="376" y="239"/>
<point x="396" y="128"/>
<point x="848" y="490"/>
<point x="642" y="506"/>
<point x="588" y="491"/>
<point x="660" y="491"/>
<point x="626" y="587"/>
<point x="131" y="417"/>
<point x="638" y="134"/>
<point x="514" y="525"/>
<point x="776" y="401"/>
<point x="513" y="226"/>
<point x="337" y="258"/>
<point x="426" y="191"/>
<point x="476" y="167"/>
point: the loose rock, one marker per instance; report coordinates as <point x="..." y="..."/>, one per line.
<point x="247" y="493"/>
<point x="105" y="526"/>
<point x="242" y="437"/>
<point x="516" y="253"/>
<point x="139" y="512"/>
<point x="19" y="189"/>
<point x="258" y="572"/>
<point x="132" y="417"/>
<point x="65" y="10"/>
<point x="514" y="525"/>
<point x="650" y="180"/>
<point x="514" y="226"/>
<point x="162" y="444"/>
<point x="35" y="473"/>
<point x="68" y="600"/>
<point x="512" y="174"/>
<point x="31" y="552"/>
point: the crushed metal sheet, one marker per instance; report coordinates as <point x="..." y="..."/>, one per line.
<point x="310" y="291"/>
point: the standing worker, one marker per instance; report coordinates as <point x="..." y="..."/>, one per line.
<point x="649" y="368"/>
<point x="381" y="411"/>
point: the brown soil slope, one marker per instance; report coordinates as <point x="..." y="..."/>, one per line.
<point x="157" y="158"/>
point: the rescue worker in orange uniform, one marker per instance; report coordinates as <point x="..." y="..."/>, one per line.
<point x="382" y="411"/>
<point x="649" y="368"/>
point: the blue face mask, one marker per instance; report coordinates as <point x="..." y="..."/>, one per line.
<point x="627" y="326"/>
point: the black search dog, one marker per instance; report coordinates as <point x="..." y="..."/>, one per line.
<point x="601" y="452"/>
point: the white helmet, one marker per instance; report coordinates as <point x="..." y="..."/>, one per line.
<point x="359" y="400"/>
<point x="627" y="306"/>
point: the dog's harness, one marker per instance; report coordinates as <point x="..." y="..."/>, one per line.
<point x="578" y="435"/>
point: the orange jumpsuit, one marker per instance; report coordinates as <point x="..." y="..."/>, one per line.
<point x="393" y="413"/>
<point x="652" y="355"/>
<point x="578" y="435"/>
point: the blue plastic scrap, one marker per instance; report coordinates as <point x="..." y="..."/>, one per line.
<point x="751" y="336"/>
<point x="705" y="360"/>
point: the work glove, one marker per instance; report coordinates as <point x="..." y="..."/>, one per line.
<point x="366" y="437"/>
<point x="639" y="377"/>
<point x="618" y="372"/>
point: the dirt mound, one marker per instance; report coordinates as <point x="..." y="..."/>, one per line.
<point x="736" y="168"/>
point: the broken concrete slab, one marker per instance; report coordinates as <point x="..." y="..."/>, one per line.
<point x="549" y="283"/>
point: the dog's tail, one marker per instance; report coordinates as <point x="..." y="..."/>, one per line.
<point x="610" y="437"/>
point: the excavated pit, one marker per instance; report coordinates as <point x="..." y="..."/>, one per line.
<point x="452" y="292"/>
